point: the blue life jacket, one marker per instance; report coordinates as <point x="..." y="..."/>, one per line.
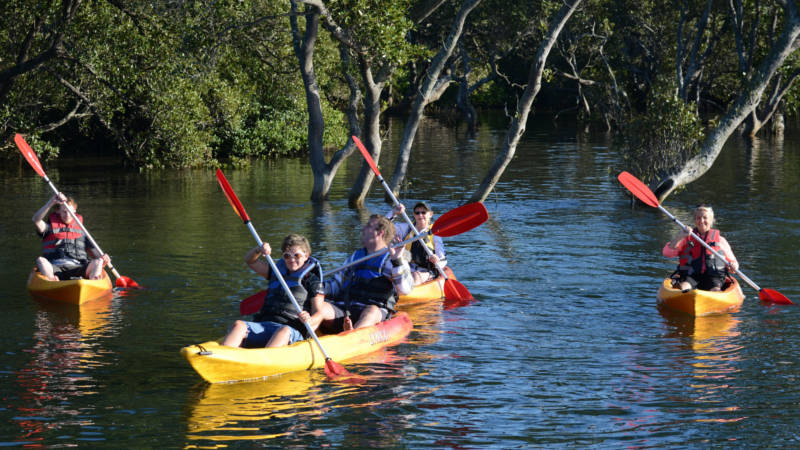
<point x="278" y="306"/>
<point x="366" y="283"/>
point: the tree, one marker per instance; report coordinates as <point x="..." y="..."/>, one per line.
<point x="517" y="126"/>
<point x="431" y="84"/>
<point x="373" y="33"/>
<point x="783" y="47"/>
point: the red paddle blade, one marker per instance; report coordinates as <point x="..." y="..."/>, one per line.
<point x="460" y="220"/>
<point x="335" y="371"/>
<point x="773" y="296"/>
<point x="366" y="154"/>
<point x="639" y="189"/>
<point x="252" y="304"/>
<point x="455" y="291"/>
<point x="127" y="282"/>
<point x="238" y="208"/>
<point x="29" y="154"/>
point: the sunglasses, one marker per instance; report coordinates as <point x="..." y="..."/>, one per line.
<point x="295" y="255"/>
<point x="420" y="212"/>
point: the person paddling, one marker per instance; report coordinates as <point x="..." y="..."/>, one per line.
<point x="65" y="253"/>
<point x="278" y="323"/>
<point x="423" y="267"/>
<point x="369" y="290"/>
<point x="699" y="268"/>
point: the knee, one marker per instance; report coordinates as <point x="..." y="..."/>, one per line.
<point x="238" y="326"/>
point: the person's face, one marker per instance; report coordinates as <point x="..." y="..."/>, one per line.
<point x="703" y="220"/>
<point x="422" y="217"/>
<point x="294" y="257"/>
<point x="370" y="237"/>
<point x="66" y="217"/>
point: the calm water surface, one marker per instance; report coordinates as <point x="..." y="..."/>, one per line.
<point x="563" y="347"/>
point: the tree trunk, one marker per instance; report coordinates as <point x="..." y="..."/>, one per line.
<point x="426" y="92"/>
<point x="517" y="127"/>
<point x="324" y="173"/>
<point x="744" y="105"/>
<point x="371" y="135"/>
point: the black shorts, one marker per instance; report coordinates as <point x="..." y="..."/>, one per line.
<point x="355" y="312"/>
<point x="703" y="282"/>
<point x="69" y="269"/>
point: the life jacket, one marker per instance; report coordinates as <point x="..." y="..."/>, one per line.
<point x="418" y="254"/>
<point x="64" y="240"/>
<point x="695" y="259"/>
<point x="277" y="305"/>
<point x="366" y="283"/>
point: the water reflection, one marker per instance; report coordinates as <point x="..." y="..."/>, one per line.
<point x="714" y="358"/>
<point x="287" y="405"/>
<point x="64" y="355"/>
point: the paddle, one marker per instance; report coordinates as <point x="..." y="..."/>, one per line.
<point x="33" y="160"/>
<point x="451" y="223"/>
<point x="643" y="193"/>
<point x="332" y="369"/>
<point x="453" y="289"/>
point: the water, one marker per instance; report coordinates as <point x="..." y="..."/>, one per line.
<point x="563" y="347"/>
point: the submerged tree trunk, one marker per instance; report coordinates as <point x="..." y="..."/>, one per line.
<point x="517" y="127"/>
<point x="372" y="132"/>
<point x="747" y="101"/>
<point x="431" y="85"/>
<point x="304" y="50"/>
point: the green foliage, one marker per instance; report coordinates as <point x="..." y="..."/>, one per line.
<point x="663" y="137"/>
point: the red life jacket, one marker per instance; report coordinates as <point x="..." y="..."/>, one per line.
<point x="697" y="259"/>
<point x="64" y="240"/>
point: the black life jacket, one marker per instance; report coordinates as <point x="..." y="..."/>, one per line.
<point x="366" y="283"/>
<point x="64" y="240"/>
<point x="695" y="259"/>
<point x="418" y="254"/>
<point x="278" y="306"/>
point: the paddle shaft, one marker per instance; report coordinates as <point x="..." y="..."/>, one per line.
<point x="702" y="241"/>
<point x="378" y="253"/>
<point x="286" y="288"/>
<point x="395" y="202"/>
<point x="83" y="228"/>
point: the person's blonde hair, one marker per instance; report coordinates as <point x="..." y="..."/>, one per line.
<point x="704" y="207"/>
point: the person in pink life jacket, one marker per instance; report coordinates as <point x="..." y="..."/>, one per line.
<point x="66" y="253"/>
<point x="698" y="267"/>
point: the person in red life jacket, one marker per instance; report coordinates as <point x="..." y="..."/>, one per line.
<point x="278" y="323"/>
<point x="368" y="291"/>
<point x="423" y="267"/>
<point x="65" y="253"/>
<point x="698" y="267"/>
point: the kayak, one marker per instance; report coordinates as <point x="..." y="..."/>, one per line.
<point x="217" y="363"/>
<point x="701" y="303"/>
<point x="425" y="292"/>
<point x="73" y="292"/>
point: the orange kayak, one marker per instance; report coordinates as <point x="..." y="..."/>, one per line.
<point x="68" y="291"/>
<point x="701" y="303"/>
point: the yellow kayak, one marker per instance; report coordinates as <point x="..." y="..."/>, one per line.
<point x="426" y="292"/>
<point x="218" y="364"/>
<point x="701" y="303"/>
<point x="73" y="292"/>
